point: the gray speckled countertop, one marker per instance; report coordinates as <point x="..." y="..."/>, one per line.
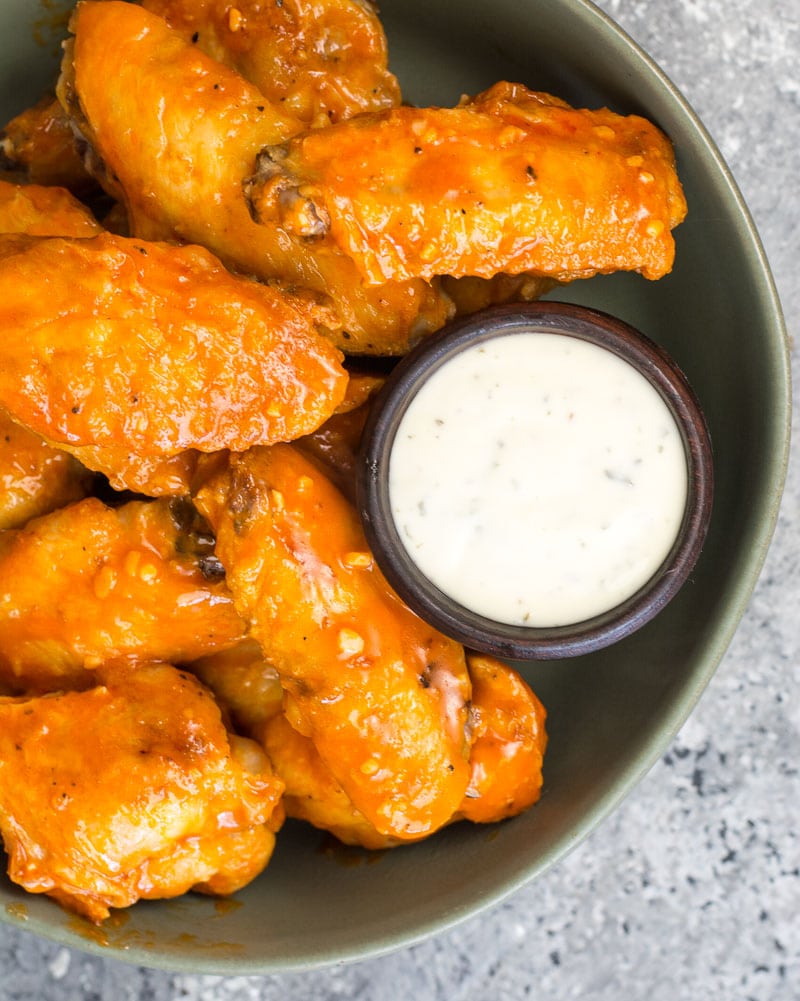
<point x="691" y="890"/>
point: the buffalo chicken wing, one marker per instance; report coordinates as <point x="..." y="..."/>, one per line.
<point x="133" y="789"/>
<point x="198" y="128"/>
<point x="155" y="349"/>
<point x="513" y="181"/>
<point x="381" y="694"/>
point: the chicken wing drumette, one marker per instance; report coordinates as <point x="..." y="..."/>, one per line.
<point x="90" y="583"/>
<point x="131" y="790"/>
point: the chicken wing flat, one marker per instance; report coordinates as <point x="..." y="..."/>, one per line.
<point x="34" y="477"/>
<point x="154" y="348"/>
<point x="39" y="210"/>
<point x="131" y="790"/>
<point x="88" y="584"/>
<point x="322" y="60"/>
<point x="509" y="743"/>
<point x="198" y="127"/>
<point x="512" y="181"/>
<point x="39" y="143"/>
<point x="381" y="694"/>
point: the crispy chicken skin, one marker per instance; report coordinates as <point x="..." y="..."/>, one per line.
<point x="249" y="690"/>
<point x="90" y="583"/>
<point x="322" y="60"/>
<point x="198" y="128"/>
<point x="131" y="790"/>
<point x="506" y="730"/>
<point x="312" y="792"/>
<point x="381" y="694"/>
<point x="34" y="477"/>
<point x="509" y="743"/>
<point x="509" y="740"/>
<point x="511" y="181"/>
<point x="155" y="349"/>
<point x="39" y="143"/>
<point x="39" y="210"/>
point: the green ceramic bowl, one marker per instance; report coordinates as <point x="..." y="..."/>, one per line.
<point x="612" y="713"/>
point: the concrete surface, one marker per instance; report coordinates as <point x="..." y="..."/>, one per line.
<point x="690" y="891"/>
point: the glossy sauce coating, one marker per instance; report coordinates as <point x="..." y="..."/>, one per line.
<point x="322" y="60"/>
<point x="89" y="584"/>
<point x="34" y="477"/>
<point x="131" y="790"/>
<point x="39" y="210"/>
<point x="198" y="128"/>
<point x="39" y="143"/>
<point x="512" y="181"/>
<point x="509" y="743"/>
<point x="312" y="792"/>
<point x="382" y="695"/>
<point x="129" y="343"/>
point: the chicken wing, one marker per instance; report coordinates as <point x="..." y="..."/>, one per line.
<point x="198" y="126"/>
<point x="511" y="181"/>
<point x="381" y="694"/>
<point x="34" y="477"/>
<point x="88" y="584"/>
<point x="39" y="143"/>
<point x="44" y="211"/>
<point x="509" y="743"/>
<point x="131" y="790"/>
<point x="116" y="343"/>
<point x="323" y="60"/>
<point x="151" y="476"/>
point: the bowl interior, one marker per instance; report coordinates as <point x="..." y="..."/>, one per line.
<point x="612" y="712"/>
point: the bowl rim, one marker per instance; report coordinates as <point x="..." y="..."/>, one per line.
<point x="477" y="631"/>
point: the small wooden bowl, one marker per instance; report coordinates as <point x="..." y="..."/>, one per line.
<point x="477" y="632"/>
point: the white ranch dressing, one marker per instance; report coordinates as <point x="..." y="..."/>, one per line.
<point x="538" y="479"/>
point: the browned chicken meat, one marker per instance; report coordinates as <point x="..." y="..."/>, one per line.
<point x="90" y="583"/>
<point x="131" y="790"/>
<point x="512" y="181"/>
<point x="322" y="60"/>
<point x="198" y="128"/>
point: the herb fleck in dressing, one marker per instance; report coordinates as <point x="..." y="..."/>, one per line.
<point x="538" y="479"/>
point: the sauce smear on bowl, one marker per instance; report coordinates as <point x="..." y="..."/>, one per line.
<point x="537" y="479"/>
